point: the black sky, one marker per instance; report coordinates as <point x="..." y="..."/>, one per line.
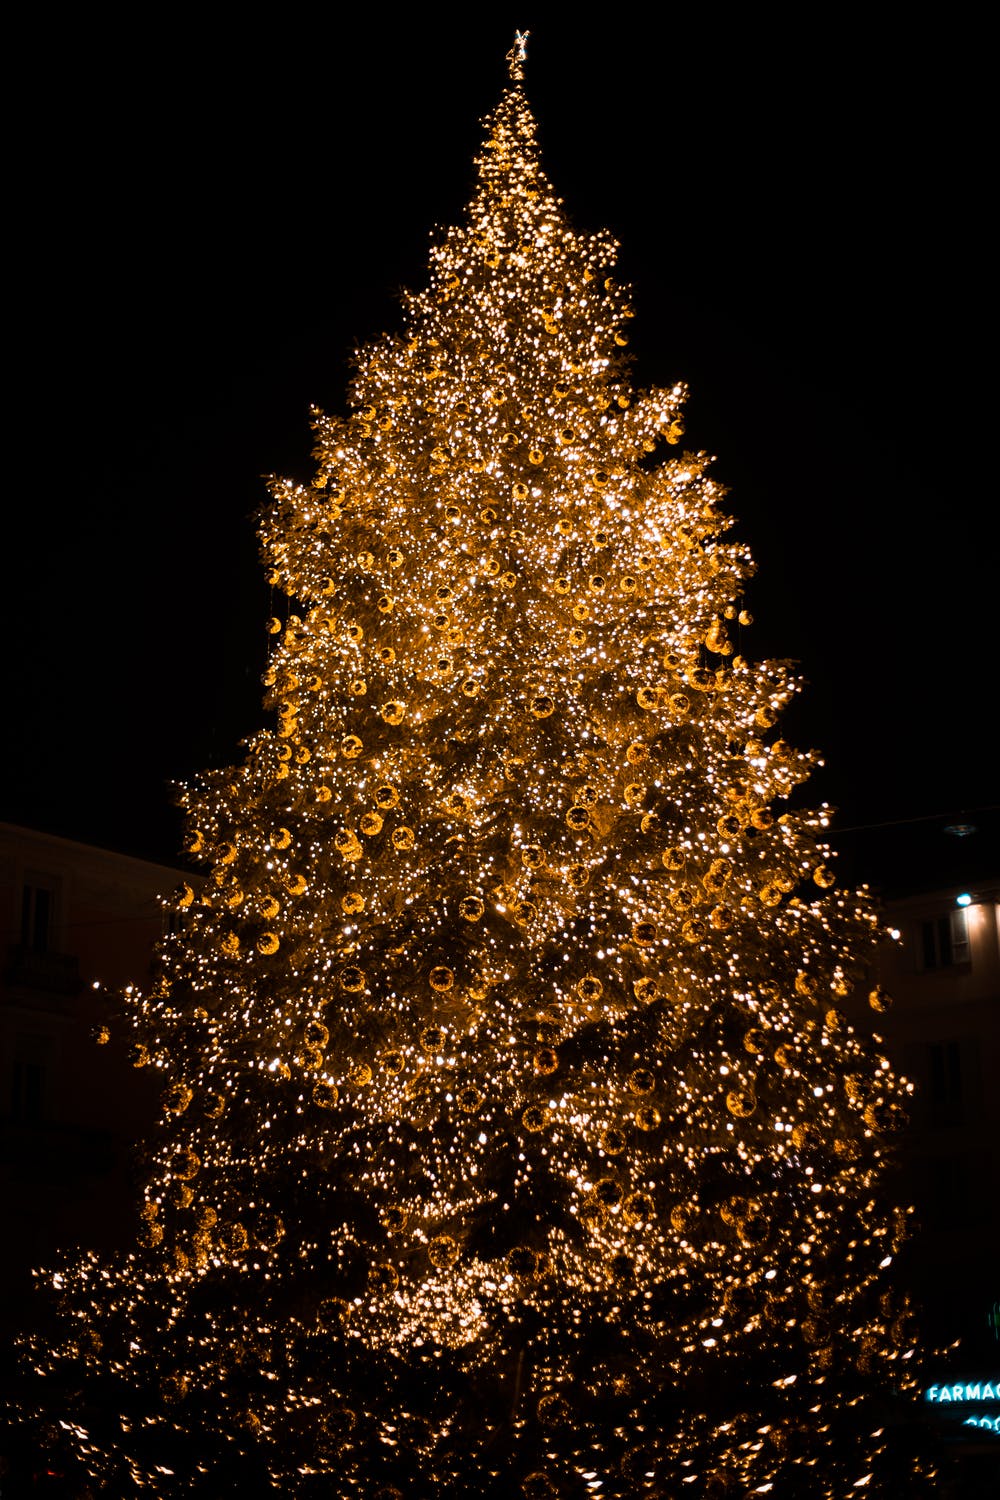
<point x="210" y="216"/>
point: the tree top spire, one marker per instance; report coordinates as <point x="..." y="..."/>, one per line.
<point x="518" y="54"/>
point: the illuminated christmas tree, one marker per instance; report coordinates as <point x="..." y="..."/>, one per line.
<point x="514" y="1140"/>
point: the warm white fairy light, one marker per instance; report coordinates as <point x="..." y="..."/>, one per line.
<point x="508" y="1012"/>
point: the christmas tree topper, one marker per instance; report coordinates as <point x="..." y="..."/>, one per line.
<point x="518" y="54"/>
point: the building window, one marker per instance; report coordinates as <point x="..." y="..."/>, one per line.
<point x="29" y="1079"/>
<point x="945" y="1092"/>
<point x="37" y="912"/>
<point x="944" y="941"/>
<point x="955" y="1196"/>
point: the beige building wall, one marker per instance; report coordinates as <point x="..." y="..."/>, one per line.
<point x="942" y="973"/>
<point x="72" y="917"/>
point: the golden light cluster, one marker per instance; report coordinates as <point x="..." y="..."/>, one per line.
<point x="514" y="1140"/>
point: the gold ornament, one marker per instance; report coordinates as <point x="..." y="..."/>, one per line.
<point x="383" y="1278"/>
<point x="682" y="1216"/>
<point x="403" y="838"/>
<point x="717" y="875"/>
<point x="233" y="1238"/>
<point x="552" y="1410"/>
<point x="268" y="942"/>
<point x="185" y="1164"/>
<point x="352" y="979"/>
<point x="522" y="1261"/>
<point x="638" y="1208"/>
<point x="442" y="1252"/>
<point x="594" y="1215"/>
<point x="441" y="978"/>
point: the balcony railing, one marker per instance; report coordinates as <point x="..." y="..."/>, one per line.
<point x="33" y="969"/>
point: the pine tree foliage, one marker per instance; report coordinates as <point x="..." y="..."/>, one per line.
<point x="514" y="1138"/>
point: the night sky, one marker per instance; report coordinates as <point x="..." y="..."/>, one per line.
<point x="208" y="219"/>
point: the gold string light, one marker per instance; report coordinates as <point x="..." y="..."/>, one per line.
<point x="513" y="1139"/>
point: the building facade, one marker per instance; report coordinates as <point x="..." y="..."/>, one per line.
<point x="78" y="923"/>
